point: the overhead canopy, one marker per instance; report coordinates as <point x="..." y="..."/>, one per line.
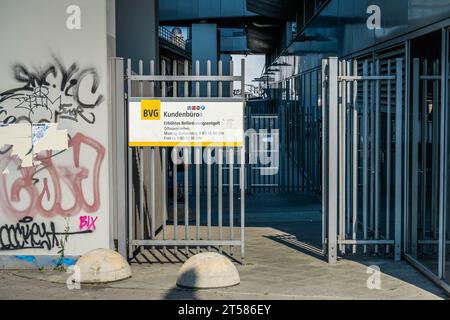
<point x="277" y="9"/>
<point x="262" y="38"/>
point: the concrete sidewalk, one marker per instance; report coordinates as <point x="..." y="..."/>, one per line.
<point x="278" y="266"/>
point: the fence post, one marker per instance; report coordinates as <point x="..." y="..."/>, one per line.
<point x="324" y="153"/>
<point x="398" y="160"/>
<point x="333" y="138"/>
<point x="120" y="152"/>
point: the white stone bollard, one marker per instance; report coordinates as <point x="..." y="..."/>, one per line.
<point x="208" y="270"/>
<point x="103" y="265"/>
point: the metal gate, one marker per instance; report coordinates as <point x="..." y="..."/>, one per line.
<point x="362" y="156"/>
<point x="204" y="208"/>
<point x="263" y="147"/>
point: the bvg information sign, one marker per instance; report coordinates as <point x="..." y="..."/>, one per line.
<point x="156" y="123"/>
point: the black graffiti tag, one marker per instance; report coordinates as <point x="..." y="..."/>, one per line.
<point x="51" y="93"/>
<point x="27" y="234"/>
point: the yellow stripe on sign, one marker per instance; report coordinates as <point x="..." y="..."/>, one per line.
<point x="185" y="144"/>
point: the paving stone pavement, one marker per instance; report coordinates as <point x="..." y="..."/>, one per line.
<point x="273" y="270"/>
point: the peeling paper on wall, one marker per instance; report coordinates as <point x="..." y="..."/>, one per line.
<point x="28" y="140"/>
<point x="19" y="137"/>
<point x="46" y="136"/>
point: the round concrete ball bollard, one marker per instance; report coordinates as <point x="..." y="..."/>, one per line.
<point x="208" y="270"/>
<point x="103" y="265"/>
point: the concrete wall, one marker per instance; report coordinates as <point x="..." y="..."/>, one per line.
<point x="205" y="47"/>
<point x="137" y="31"/>
<point x="51" y="73"/>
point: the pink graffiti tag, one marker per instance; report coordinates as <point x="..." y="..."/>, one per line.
<point x="73" y="176"/>
<point x="88" y="223"/>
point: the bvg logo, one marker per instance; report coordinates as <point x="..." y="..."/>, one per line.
<point x="150" y="110"/>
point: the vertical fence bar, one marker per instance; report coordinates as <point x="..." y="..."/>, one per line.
<point x="186" y="157"/>
<point x="175" y="195"/>
<point x="152" y="83"/>
<point x="242" y="189"/>
<point x="443" y="156"/>
<point x="377" y="154"/>
<point x="164" y="194"/>
<point x="231" y="74"/>
<point x="153" y="188"/>
<point x="398" y="158"/>
<point x="141" y="167"/>
<point x="220" y="72"/>
<point x="435" y="156"/>
<point x="342" y="151"/>
<point x="372" y="150"/>
<point x="130" y="174"/>
<point x="243" y="79"/>
<point x="163" y="83"/>
<point x="120" y="120"/>
<point x="197" y="194"/>
<point x="219" y="194"/>
<point x="242" y="171"/>
<point x="324" y="153"/>
<point x="231" y="193"/>
<point x="186" y="83"/>
<point x="174" y="160"/>
<point x="141" y="84"/>
<point x="424" y="149"/>
<point x="208" y="83"/>
<point x="415" y="155"/>
<point x="197" y="166"/>
<point x="348" y="163"/>
<point x="388" y="158"/>
<point x="208" y="192"/>
<point x="220" y="168"/>
<point x="175" y="83"/>
<point x="152" y="166"/>
<point x="333" y="137"/>
<point x="406" y="153"/>
<point x="208" y="169"/>
<point x="365" y="151"/>
<point x="197" y="83"/>
<point x="355" y="155"/>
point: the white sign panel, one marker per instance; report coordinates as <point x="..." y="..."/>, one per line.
<point x="155" y="123"/>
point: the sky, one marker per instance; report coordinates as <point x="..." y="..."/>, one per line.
<point x="254" y="65"/>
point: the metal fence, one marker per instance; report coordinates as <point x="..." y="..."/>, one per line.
<point x="263" y="147"/>
<point x="297" y="103"/>
<point x="188" y="215"/>
<point x="362" y="163"/>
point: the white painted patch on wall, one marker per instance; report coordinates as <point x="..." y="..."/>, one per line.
<point x="28" y="140"/>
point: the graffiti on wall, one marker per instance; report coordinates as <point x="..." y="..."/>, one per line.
<point x="59" y="183"/>
<point x="40" y="190"/>
<point x="50" y="94"/>
<point x="27" y="234"/>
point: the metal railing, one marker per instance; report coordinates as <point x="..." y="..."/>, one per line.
<point x="169" y="36"/>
